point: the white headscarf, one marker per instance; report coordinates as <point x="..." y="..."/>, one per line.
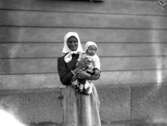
<point x="66" y="37"/>
<point x="68" y="57"/>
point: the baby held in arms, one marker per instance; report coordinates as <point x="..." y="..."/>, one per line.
<point x="89" y="62"/>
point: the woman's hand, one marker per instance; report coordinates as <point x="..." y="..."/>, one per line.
<point x="83" y="75"/>
<point x="76" y="71"/>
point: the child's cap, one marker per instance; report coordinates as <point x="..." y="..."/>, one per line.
<point x="90" y="43"/>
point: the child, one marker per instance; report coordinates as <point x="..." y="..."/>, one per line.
<point x="90" y="63"/>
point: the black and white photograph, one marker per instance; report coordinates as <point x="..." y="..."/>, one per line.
<point x="83" y="62"/>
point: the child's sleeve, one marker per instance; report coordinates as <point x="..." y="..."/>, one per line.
<point x="97" y="62"/>
<point x="97" y="71"/>
<point x="95" y="75"/>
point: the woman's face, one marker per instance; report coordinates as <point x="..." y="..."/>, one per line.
<point x="72" y="43"/>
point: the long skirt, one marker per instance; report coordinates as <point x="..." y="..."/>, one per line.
<point x="81" y="110"/>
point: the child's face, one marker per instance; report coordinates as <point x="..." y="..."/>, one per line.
<point x="91" y="50"/>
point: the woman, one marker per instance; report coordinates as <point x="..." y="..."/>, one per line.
<point x="79" y="109"/>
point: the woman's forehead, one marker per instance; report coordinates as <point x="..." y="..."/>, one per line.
<point x="72" y="38"/>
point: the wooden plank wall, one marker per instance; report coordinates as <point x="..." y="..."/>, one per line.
<point x="131" y="35"/>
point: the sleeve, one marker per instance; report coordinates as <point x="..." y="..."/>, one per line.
<point x="97" y="69"/>
<point x="97" y="62"/>
<point x="95" y="76"/>
<point x="64" y="74"/>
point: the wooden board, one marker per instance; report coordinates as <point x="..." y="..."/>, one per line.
<point x="34" y="81"/>
<point x="49" y="65"/>
<point x="53" y="50"/>
<point x="144" y="7"/>
<point x="88" y="20"/>
<point x="22" y="34"/>
<point x="131" y="36"/>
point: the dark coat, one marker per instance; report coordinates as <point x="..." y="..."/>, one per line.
<point x="64" y="70"/>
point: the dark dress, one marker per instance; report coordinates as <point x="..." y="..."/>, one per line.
<point x="79" y="109"/>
